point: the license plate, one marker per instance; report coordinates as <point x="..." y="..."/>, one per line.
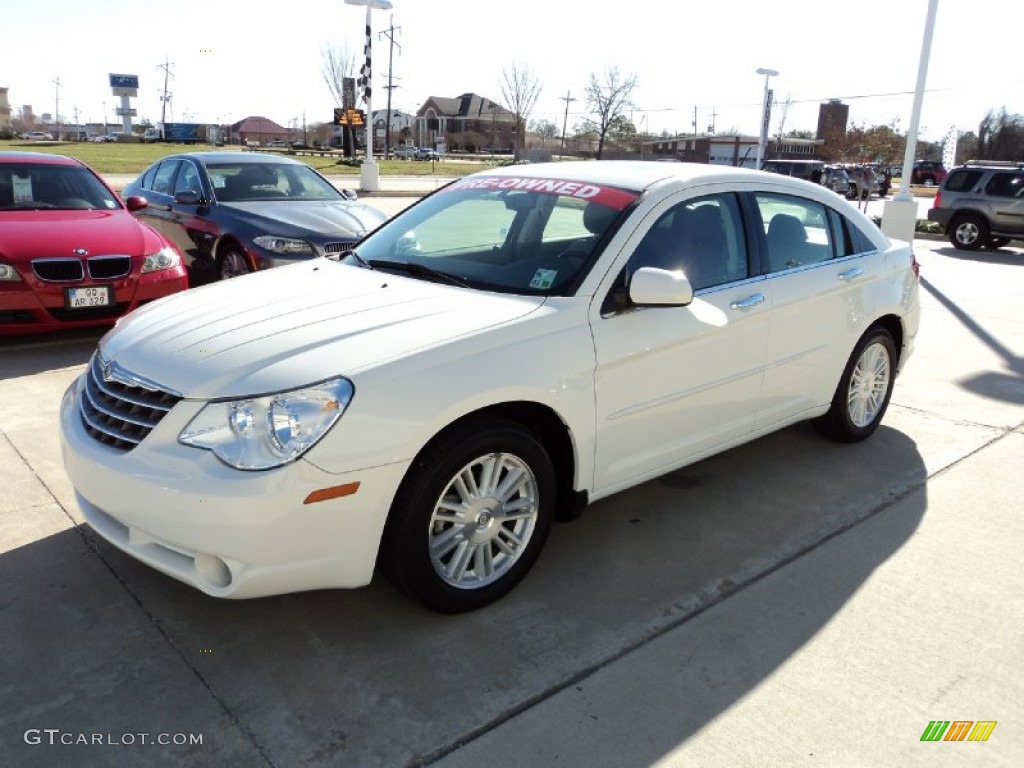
<point x="87" y="298"/>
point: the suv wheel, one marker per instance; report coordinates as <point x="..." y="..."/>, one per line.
<point x="968" y="232"/>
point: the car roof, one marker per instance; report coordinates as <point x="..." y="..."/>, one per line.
<point x="38" y="157"/>
<point x="233" y="157"/>
<point x="636" y="175"/>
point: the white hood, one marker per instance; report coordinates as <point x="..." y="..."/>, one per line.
<point x="291" y="326"/>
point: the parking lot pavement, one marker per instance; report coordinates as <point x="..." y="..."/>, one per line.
<point x="790" y="602"/>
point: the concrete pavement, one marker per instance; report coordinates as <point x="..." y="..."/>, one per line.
<point x="792" y="602"/>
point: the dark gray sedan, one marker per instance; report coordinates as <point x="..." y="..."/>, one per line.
<point x="232" y="213"/>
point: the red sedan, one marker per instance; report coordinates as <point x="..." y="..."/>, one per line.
<point x="71" y="253"/>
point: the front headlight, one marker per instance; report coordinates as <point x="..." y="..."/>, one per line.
<point x="165" y="258"/>
<point x="289" y="246"/>
<point x="267" y="432"/>
<point x="8" y="274"/>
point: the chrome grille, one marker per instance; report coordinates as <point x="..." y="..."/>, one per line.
<point x="107" y="267"/>
<point x="58" y="270"/>
<point x="118" y="413"/>
<point x="334" y="250"/>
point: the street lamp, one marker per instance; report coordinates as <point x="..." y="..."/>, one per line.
<point x="766" y="108"/>
<point x="369" y="173"/>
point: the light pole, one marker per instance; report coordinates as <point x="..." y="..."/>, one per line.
<point x="369" y="173"/>
<point x="899" y="215"/>
<point x="766" y="109"/>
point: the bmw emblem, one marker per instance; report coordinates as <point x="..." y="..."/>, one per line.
<point x="80" y="252"/>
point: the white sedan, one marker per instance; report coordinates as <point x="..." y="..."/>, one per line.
<point x="519" y="343"/>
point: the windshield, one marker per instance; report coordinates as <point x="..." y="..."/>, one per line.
<point x="47" y="186"/>
<point x="249" y="182"/>
<point x="502" y="233"/>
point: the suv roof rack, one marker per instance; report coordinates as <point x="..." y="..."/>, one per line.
<point x="996" y="163"/>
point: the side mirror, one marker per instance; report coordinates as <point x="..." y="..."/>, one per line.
<point x="349" y="194"/>
<point x="653" y="287"/>
<point x="136" y="203"/>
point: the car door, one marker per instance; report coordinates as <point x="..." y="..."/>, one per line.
<point x="818" y="277"/>
<point x="1005" y="196"/>
<point x="195" y="232"/>
<point x="674" y="383"/>
<point x="157" y="184"/>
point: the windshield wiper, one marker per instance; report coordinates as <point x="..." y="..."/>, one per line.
<point x="359" y="259"/>
<point x="420" y="270"/>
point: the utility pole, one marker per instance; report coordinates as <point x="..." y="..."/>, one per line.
<point x="56" y="106"/>
<point x="165" y="96"/>
<point x="389" y="33"/>
<point x="565" y="121"/>
<point x="713" y="116"/>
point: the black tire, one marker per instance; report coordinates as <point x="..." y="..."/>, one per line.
<point x="232" y="262"/>
<point x="864" y="390"/>
<point x="968" y="232"/>
<point x="443" y="501"/>
<point x="996" y="242"/>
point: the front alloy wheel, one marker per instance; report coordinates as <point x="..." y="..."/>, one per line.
<point x="470" y="517"/>
<point x="233" y="264"/>
<point x="864" y="390"/>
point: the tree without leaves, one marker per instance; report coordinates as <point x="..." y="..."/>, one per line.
<point x="335" y="65"/>
<point x="545" y="129"/>
<point x="608" y="101"/>
<point x="1001" y="137"/>
<point x="520" y="89"/>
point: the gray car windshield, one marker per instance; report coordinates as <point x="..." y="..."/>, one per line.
<point x="251" y="182"/>
<point x="502" y="237"/>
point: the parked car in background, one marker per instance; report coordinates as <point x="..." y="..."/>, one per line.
<point x="71" y="253"/>
<point x="927" y="173"/>
<point x="808" y="170"/>
<point x="836" y="178"/>
<point x="863" y="182"/>
<point x="231" y="213"/>
<point x="37" y="136"/>
<point x="427" y="153"/>
<point x="405" y="153"/>
<point x="981" y="204"/>
<point x="523" y="341"/>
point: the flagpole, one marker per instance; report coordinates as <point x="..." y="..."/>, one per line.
<point x="369" y="173"/>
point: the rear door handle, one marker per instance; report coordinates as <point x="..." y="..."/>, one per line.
<point x="747" y="303"/>
<point x="851" y="273"/>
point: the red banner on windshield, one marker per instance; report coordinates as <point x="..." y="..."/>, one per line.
<point x="613" y="197"/>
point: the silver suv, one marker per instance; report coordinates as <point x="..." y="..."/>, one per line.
<point x="981" y="204"/>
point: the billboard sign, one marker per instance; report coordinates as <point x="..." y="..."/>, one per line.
<point x="124" y="85"/>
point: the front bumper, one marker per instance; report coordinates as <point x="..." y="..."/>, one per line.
<point x="226" y="532"/>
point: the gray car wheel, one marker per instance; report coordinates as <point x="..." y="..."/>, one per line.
<point x="968" y="232"/>
<point x="232" y="263"/>
<point x="471" y="516"/>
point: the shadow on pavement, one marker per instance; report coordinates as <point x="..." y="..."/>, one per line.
<point x="364" y="677"/>
<point x="27" y="355"/>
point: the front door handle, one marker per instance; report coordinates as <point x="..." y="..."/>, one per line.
<point x="747" y="303"/>
<point x="851" y="273"/>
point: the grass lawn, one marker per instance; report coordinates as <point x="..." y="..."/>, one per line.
<point x="133" y="158"/>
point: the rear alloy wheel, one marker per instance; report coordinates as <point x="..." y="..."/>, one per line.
<point x="862" y="396"/>
<point x="471" y="517"/>
<point x="233" y="263"/>
<point x="968" y="232"/>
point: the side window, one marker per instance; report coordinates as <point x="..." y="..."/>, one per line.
<point x="962" y="181"/>
<point x="848" y="237"/>
<point x="147" y="179"/>
<point x="188" y="179"/>
<point x="164" y="179"/>
<point x="797" y="232"/>
<point x="702" y="237"/>
<point x="1005" y="185"/>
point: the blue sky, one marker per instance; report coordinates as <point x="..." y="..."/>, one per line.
<point x="235" y="59"/>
